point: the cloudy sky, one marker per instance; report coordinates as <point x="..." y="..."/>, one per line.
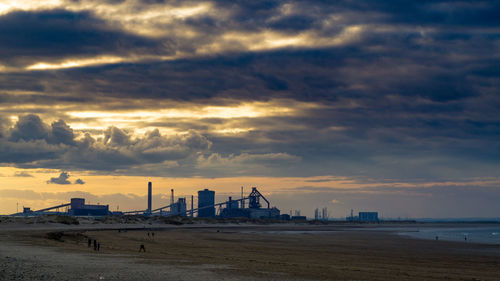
<point x="385" y="105"/>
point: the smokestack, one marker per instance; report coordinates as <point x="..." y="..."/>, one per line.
<point x="192" y="205"/>
<point x="242" y="201"/>
<point x="149" y="197"/>
<point x="172" y="199"/>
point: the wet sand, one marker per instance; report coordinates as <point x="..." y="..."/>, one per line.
<point x="241" y="252"/>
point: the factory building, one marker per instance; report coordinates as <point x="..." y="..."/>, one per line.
<point x="231" y="204"/>
<point x="206" y="201"/>
<point x="285" y="217"/>
<point x="206" y="207"/>
<point x="368" y="216"/>
<point x="79" y="208"/>
<point x="261" y="213"/>
<point x="254" y="210"/>
<point x="178" y="208"/>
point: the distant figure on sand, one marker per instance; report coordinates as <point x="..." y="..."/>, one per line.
<point x="153" y="235"/>
<point x="95" y="245"/>
<point x="148" y="234"/>
<point x="89" y="242"/>
<point x="437" y="237"/>
<point x="98" y="246"/>
<point x="465" y="237"/>
<point x="142" y="248"/>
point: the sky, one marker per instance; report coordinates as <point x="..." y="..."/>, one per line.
<point x="383" y="105"/>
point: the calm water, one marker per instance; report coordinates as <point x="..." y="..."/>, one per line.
<point x="475" y="234"/>
<point x="486" y="235"/>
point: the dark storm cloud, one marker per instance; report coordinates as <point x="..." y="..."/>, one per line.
<point x="398" y="64"/>
<point x="56" y="34"/>
<point x="51" y="35"/>
<point x="79" y="181"/>
<point x="400" y="60"/>
<point x="31" y="128"/>
<point x="414" y="94"/>
<point x="34" y="144"/>
<point x="43" y="99"/>
<point x="441" y="12"/>
<point x="61" y="179"/>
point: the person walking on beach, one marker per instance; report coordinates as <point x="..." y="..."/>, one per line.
<point x="95" y="245"/>
<point x="142" y="248"/>
<point x="98" y="246"/>
<point x="89" y="242"/>
<point x="153" y="235"/>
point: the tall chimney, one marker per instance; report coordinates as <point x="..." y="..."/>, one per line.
<point x="242" y="201"/>
<point x="192" y="205"/>
<point x="150" y="187"/>
<point x="172" y="199"/>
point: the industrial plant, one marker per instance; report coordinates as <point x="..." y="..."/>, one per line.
<point x="363" y="217"/>
<point x="254" y="206"/>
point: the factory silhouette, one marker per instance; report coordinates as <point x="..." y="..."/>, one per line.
<point x="250" y="207"/>
<point x="253" y="206"/>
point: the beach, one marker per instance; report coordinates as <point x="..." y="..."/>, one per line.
<point x="237" y="252"/>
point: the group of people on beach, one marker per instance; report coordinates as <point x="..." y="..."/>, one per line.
<point x="150" y="235"/>
<point x="97" y="245"/>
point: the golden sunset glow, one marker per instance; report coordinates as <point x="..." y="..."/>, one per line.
<point x="100" y="119"/>
<point x="7" y="6"/>
<point x="248" y="111"/>
<point x="377" y="106"/>
<point x="75" y="63"/>
<point x="184" y="187"/>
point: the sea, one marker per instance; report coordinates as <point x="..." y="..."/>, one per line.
<point x="480" y="234"/>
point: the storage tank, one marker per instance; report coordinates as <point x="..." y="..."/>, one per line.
<point x="206" y="198"/>
<point x="77" y="203"/>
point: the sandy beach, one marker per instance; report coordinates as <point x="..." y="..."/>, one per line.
<point x="236" y="252"/>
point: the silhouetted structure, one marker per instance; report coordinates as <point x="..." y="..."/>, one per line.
<point x="285" y="217"/>
<point x="368" y="216"/>
<point x="79" y="208"/>
<point x="254" y="210"/>
<point x="179" y="208"/>
<point x="150" y="197"/>
<point x="206" y="198"/>
<point x="206" y="207"/>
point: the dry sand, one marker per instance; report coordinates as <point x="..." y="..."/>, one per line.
<point x="238" y="252"/>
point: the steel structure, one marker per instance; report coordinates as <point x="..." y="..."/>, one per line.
<point x="179" y="208"/>
<point x="51" y="208"/>
<point x="254" y="199"/>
